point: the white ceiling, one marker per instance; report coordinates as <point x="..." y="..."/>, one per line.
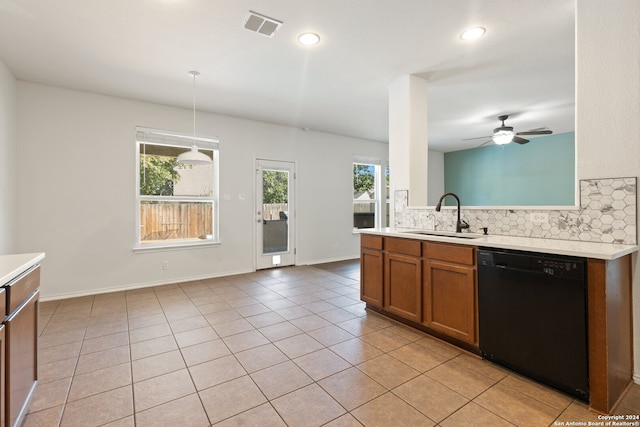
<point x="143" y="49"/>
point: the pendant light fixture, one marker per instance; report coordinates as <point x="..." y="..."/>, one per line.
<point x="194" y="156"/>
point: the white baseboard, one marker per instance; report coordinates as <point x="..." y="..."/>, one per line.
<point x="172" y="281"/>
<point x="136" y="286"/>
<point x="324" y="261"/>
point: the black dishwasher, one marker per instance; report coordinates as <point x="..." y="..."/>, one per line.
<point x="533" y="316"/>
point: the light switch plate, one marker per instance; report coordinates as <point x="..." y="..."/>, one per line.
<point x="539" y="217"/>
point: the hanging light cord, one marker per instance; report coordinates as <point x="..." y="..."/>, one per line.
<point x="194" y="156"/>
<point x="194" y="74"/>
<point x="144" y="159"/>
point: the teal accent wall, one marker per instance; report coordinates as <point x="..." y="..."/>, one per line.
<point x="540" y="173"/>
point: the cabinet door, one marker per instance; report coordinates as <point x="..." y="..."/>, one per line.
<point x="21" y="358"/>
<point x="403" y="286"/>
<point x="371" y="268"/>
<point x="450" y="300"/>
<point x="2" y="370"/>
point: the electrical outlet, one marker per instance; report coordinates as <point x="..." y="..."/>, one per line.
<point x="539" y="217"/>
<point x="165" y="265"/>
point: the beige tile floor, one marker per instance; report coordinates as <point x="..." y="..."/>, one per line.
<point x="285" y="347"/>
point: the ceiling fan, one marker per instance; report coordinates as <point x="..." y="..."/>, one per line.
<point x="505" y="134"/>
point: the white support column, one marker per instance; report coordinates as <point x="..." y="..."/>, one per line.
<point x="408" y="137"/>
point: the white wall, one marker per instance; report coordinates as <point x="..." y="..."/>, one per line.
<point x="435" y="184"/>
<point x="76" y="179"/>
<point x="8" y="208"/>
<point x="608" y="107"/>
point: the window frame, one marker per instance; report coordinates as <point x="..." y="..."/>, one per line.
<point x="379" y="190"/>
<point x="181" y="140"/>
<point x="387" y="193"/>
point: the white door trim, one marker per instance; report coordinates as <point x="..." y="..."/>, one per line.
<point x="277" y="258"/>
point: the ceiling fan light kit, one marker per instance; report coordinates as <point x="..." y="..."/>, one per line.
<point x="504" y="134"/>
<point x="194" y="156"/>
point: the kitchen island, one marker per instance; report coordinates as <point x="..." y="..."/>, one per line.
<point x="430" y="282"/>
<point x="19" y="292"/>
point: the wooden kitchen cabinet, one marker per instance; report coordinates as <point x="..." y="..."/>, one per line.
<point x="450" y="291"/>
<point x="429" y="284"/>
<point x="450" y="300"/>
<point x="21" y="344"/>
<point x="432" y="286"/>
<point x="2" y="373"/>
<point x="610" y="320"/>
<point x="2" y="350"/>
<point x="403" y="278"/>
<point x="371" y="270"/>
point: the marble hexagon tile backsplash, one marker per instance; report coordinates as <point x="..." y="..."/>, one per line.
<point x="607" y="214"/>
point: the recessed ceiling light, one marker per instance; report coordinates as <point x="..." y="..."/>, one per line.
<point x="473" y="33"/>
<point x="308" y="39"/>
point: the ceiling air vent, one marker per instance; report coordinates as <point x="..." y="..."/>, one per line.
<point x="261" y="24"/>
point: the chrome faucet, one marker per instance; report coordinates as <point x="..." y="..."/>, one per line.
<point x="459" y="224"/>
<point x="435" y="221"/>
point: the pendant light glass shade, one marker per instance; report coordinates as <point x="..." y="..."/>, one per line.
<point x="194" y="156"/>
<point x="503" y="137"/>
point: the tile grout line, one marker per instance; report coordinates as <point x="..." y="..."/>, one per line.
<point x="244" y="285"/>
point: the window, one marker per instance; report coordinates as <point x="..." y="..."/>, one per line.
<point x="177" y="204"/>
<point x="387" y="191"/>
<point x="367" y="194"/>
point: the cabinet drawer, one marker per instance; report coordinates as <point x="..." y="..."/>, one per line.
<point x="403" y="246"/>
<point x="20" y="288"/>
<point x="371" y="242"/>
<point x="457" y="254"/>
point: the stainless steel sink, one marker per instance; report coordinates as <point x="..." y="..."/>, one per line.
<point x="445" y="234"/>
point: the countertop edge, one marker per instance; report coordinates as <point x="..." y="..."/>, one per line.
<point x="605" y="251"/>
<point x="12" y="266"/>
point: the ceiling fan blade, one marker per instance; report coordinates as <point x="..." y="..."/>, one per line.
<point x="477" y="137"/>
<point x="520" y="140"/>
<point x="535" y="132"/>
<point x="485" y="143"/>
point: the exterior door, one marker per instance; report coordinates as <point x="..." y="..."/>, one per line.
<point x="275" y="214"/>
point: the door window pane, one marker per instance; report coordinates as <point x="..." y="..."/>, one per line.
<point x="275" y="211"/>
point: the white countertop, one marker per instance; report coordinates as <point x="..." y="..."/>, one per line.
<point x="550" y="246"/>
<point x="12" y="265"/>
